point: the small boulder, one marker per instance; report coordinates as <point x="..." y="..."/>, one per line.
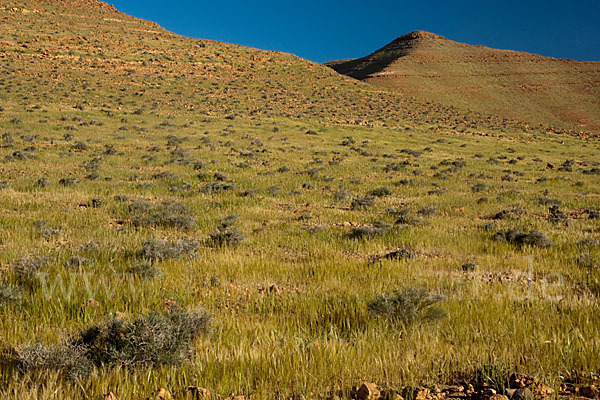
<point x="522" y="393"/>
<point x="163" y="394"/>
<point x="367" y="391"/>
<point x="590" y="392"/>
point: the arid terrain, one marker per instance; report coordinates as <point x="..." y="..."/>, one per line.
<point x="521" y="86"/>
<point x="190" y="219"/>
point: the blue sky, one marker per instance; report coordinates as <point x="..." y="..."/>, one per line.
<point x="322" y="30"/>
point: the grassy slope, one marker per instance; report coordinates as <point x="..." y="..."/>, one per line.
<point x="522" y="86"/>
<point x="315" y="333"/>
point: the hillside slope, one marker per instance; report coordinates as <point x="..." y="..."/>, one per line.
<point x="86" y="54"/>
<point x="512" y="84"/>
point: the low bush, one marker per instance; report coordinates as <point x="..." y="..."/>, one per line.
<point x="408" y="306"/>
<point x="523" y="238"/>
<point x="378" y="228"/>
<point x="158" y="250"/>
<point x="168" y="214"/>
<point x="149" y="340"/>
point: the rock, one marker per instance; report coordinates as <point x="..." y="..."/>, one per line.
<point x="488" y="392"/>
<point x="163" y="394"/>
<point x="522" y="394"/>
<point x="274" y="289"/>
<point x="422" y="394"/>
<point x="590" y="392"/>
<point x="367" y="391"/>
<point x="196" y="392"/>
<point x="390" y="394"/>
<point x="110" y="396"/>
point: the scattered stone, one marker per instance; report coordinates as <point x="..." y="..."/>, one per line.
<point x="163" y="394"/>
<point x="367" y="391"/>
<point x="110" y="396"/>
<point x="195" y="392"/>
<point x="591" y="392"/>
<point x="522" y="393"/>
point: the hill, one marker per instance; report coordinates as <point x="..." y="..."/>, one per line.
<point x="510" y="84"/>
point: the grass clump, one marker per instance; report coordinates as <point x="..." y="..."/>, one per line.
<point x="408" y="306"/>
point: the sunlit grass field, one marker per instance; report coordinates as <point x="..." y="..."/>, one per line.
<point x="289" y="297"/>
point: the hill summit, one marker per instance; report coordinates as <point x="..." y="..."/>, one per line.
<point x="507" y="83"/>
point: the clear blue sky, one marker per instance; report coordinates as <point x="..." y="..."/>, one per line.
<point x="323" y="30"/>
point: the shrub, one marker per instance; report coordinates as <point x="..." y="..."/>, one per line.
<point x="143" y="269"/>
<point x="168" y="214"/>
<point x="66" y="357"/>
<point x="226" y="234"/>
<point x="68" y="181"/>
<point x="216" y="187"/>
<point x="399" y="254"/>
<point x="427" y="211"/>
<point x="381" y="192"/>
<point x="379" y="228"/>
<point x="341" y="194"/>
<point x="152" y="339"/>
<point x="589" y="243"/>
<point x="362" y="202"/>
<point x="469" y="267"/>
<point x="158" y="250"/>
<point x="45" y="230"/>
<point x="42" y="182"/>
<point x="511" y="213"/>
<point x="522" y="238"/>
<point x="480" y="187"/>
<point x="77" y="262"/>
<point x="9" y="293"/>
<point x="80" y="146"/>
<point x="408" y="306"/>
<point x="25" y="269"/>
<point x="587" y="261"/>
<point x="149" y="340"/>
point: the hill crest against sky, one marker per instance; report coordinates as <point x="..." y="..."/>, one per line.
<point x="90" y="55"/>
<point x="506" y="83"/>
